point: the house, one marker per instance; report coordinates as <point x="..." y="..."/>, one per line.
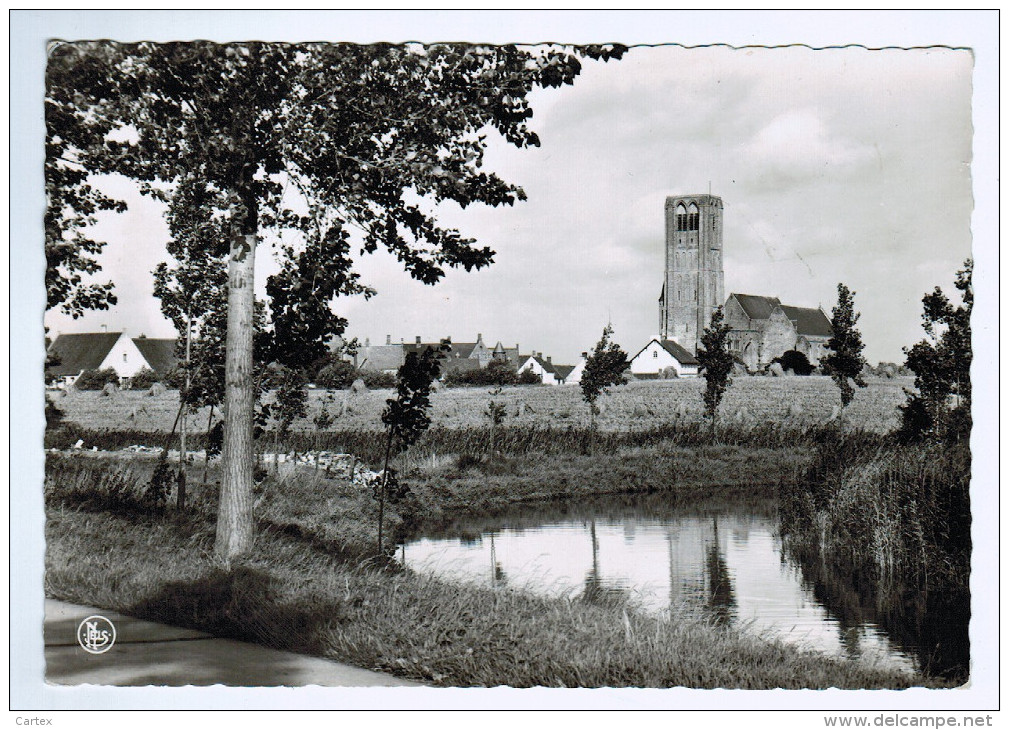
<point x="762" y="328"/>
<point x="389" y="357"/>
<point x="562" y="373"/>
<point x="508" y="354"/>
<point x="542" y="366"/>
<point x="575" y="376"/>
<point x="77" y="352"/>
<point x="663" y="359"/>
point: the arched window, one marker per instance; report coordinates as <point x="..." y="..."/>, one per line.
<point x="681" y="217"/>
<point x="693" y="217"/>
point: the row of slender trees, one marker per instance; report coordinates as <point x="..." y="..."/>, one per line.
<point x="938" y="407"/>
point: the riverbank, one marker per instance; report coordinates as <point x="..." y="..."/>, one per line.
<point x="313" y="584"/>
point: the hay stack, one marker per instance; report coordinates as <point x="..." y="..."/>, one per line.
<point x="776" y="370"/>
<point x="156" y="389"/>
<point x="110" y="390"/>
<point x="358" y="386"/>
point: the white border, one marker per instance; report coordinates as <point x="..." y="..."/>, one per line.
<point x="28" y="33"/>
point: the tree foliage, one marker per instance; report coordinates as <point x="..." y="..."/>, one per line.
<point x="844" y="359"/>
<point x="406" y="416"/>
<point x="96" y="379"/>
<point x="941" y="365"/>
<point x="301" y="143"/>
<point x="795" y="361"/>
<point x="75" y="135"/>
<point x="715" y="362"/>
<point x="604" y="368"/>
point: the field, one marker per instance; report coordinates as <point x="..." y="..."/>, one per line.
<point x="750" y="401"/>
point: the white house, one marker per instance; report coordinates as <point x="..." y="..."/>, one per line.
<point x="539" y="365"/>
<point x="575" y="376"/>
<point x="75" y="353"/>
<point x="664" y="359"/>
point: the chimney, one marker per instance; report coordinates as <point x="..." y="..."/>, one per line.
<point x="105" y="328"/>
<point x="418" y="339"/>
<point x="479" y="337"/>
<point x="388" y="339"/>
<point x="550" y="360"/>
<point x="585" y="356"/>
<point x="367" y="342"/>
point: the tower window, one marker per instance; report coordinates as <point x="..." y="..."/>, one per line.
<point x="694" y="221"/>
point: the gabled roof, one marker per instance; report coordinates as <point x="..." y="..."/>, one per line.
<point x="159" y="353"/>
<point x="462" y="364"/>
<point x="81" y="351"/>
<point x="756" y="307"/>
<point x="808" y="321"/>
<point x="547" y="367"/>
<point x="681" y="355"/>
<point x="419" y="347"/>
<point x="462" y="349"/>
<point x="563" y="371"/>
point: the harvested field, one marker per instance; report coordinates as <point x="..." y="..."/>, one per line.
<point x="798" y="401"/>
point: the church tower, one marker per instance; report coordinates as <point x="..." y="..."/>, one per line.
<point x="694" y="284"/>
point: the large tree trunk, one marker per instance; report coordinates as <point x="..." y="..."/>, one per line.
<point x="234" y="516"/>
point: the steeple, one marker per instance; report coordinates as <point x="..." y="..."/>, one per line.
<point x="694" y="279"/>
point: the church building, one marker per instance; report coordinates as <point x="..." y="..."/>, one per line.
<point x="694" y="285"/>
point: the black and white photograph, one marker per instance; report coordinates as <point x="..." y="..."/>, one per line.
<point x="468" y="358"/>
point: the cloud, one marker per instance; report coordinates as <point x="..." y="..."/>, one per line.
<point x="796" y="145"/>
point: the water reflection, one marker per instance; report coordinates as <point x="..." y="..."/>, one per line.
<point x="727" y="560"/>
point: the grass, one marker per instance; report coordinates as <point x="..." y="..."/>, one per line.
<point x="898" y="518"/>
<point x="312" y="585"/>
<point x="751" y="402"/>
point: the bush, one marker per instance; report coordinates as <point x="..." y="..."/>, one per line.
<point x="374" y="379"/>
<point x="144" y="379"/>
<point x="96" y="379"/>
<point x="528" y="377"/>
<point x="54" y="415"/>
<point x="795" y="361"/>
<point x="336" y="376"/>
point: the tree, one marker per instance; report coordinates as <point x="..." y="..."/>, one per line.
<point x="406" y="416"/>
<point x="844" y="360"/>
<point x="603" y="368"/>
<point x="358" y="134"/>
<point x="74" y="146"/>
<point x="941" y="366"/>
<point x="795" y="361"/>
<point x="715" y="363"/>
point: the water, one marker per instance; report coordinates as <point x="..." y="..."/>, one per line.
<point x="725" y="560"/>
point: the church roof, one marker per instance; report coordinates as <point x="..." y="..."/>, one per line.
<point x="757" y="307"/>
<point x="808" y="321"/>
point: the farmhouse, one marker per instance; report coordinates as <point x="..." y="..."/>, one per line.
<point x="540" y="365"/>
<point x="763" y="328"/>
<point x="74" y="353"/>
<point x="663" y="359"/>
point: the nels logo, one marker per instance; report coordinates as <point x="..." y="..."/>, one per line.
<point x="96" y="634"/>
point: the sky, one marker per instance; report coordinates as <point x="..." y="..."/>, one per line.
<point x="839" y="165"/>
